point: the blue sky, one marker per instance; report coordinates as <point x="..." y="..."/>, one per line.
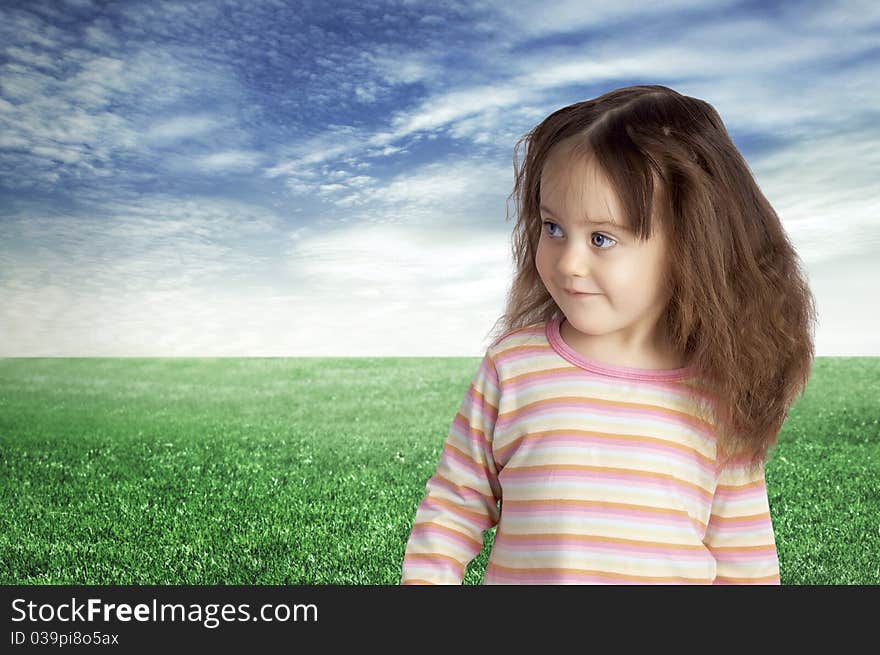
<point x="331" y="179"/>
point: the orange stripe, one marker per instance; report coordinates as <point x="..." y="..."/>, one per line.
<point x="635" y="438"/>
<point x="419" y="581"/>
<point x="472" y="430"/>
<point x="747" y="485"/>
<point x="616" y="576"/>
<point x="429" y="557"/>
<point x="477" y="517"/>
<point x="491" y="500"/>
<point x="446" y="528"/>
<point x="659" y="511"/>
<point x="611" y="404"/>
<point x="545" y="349"/>
<point x="763" y="580"/>
<point x="716" y="519"/>
<point x="610" y="469"/>
<point x="481" y="465"/>
<point x="483" y="399"/>
<point x="607" y="540"/>
<point x="740" y="549"/>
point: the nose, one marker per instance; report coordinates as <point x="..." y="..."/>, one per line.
<point x="575" y="261"/>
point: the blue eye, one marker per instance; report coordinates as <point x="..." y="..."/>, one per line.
<point x="592" y="236"/>
<point x="549" y="223"/>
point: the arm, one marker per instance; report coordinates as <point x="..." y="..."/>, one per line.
<point x="461" y="500"/>
<point x="740" y="533"/>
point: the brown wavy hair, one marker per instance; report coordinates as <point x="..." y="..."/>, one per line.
<point x="741" y="312"/>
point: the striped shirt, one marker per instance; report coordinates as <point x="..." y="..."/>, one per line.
<point x="591" y="474"/>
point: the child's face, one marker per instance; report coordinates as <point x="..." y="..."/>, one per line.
<point x="607" y="260"/>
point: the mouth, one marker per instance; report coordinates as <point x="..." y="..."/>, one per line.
<point x="572" y="292"/>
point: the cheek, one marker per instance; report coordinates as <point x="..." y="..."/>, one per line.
<point x="541" y="260"/>
<point x="544" y="264"/>
<point x="645" y="273"/>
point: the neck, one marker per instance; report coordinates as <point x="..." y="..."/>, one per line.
<point x="612" y="349"/>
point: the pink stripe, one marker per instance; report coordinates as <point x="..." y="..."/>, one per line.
<point x="470" y="431"/>
<point x="726" y="582"/>
<point x="740" y="494"/>
<point x="744" y="556"/>
<point x="429" y="503"/>
<point x="574" y="440"/>
<point x="570" y="374"/>
<point x="463" y="492"/>
<point x="424" y="530"/>
<point x="604" y="478"/>
<point x="737" y="525"/>
<point x="487" y="369"/>
<point x="474" y="406"/>
<point x="465" y="462"/>
<point x="593" y="512"/>
<point x="553" y="334"/>
<point x="586" y="544"/>
<point x="416" y="561"/>
<point x="522" y="332"/>
<point x="594" y="405"/>
<point x="493" y="576"/>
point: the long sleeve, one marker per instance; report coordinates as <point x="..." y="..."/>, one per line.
<point x="461" y="499"/>
<point x="740" y="532"/>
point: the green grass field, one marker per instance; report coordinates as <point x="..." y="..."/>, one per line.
<point x="309" y="471"/>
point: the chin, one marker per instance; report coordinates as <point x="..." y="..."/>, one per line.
<point x="589" y="319"/>
<point x="582" y="322"/>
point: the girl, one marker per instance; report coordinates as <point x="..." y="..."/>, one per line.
<point x="657" y="330"/>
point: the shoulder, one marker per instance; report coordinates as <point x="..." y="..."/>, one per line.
<point x="518" y="352"/>
<point x="517" y="338"/>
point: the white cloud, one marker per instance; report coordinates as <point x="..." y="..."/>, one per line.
<point x="182" y="127"/>
<point x="528" y="19"/>
<point x="230" y="160"/>
<point x="454" y="191"/>
<point x="169" y="278"/>
<point x="823" y="192"/>
<point x="30" y="58"/>
<point x="153" y="241"/>
<point x="76" y="118"/>
<point x="421" y="276"/>
<point x="397" y="66"/>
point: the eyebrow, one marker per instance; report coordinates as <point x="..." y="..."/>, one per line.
<point x="547" y="210"/>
